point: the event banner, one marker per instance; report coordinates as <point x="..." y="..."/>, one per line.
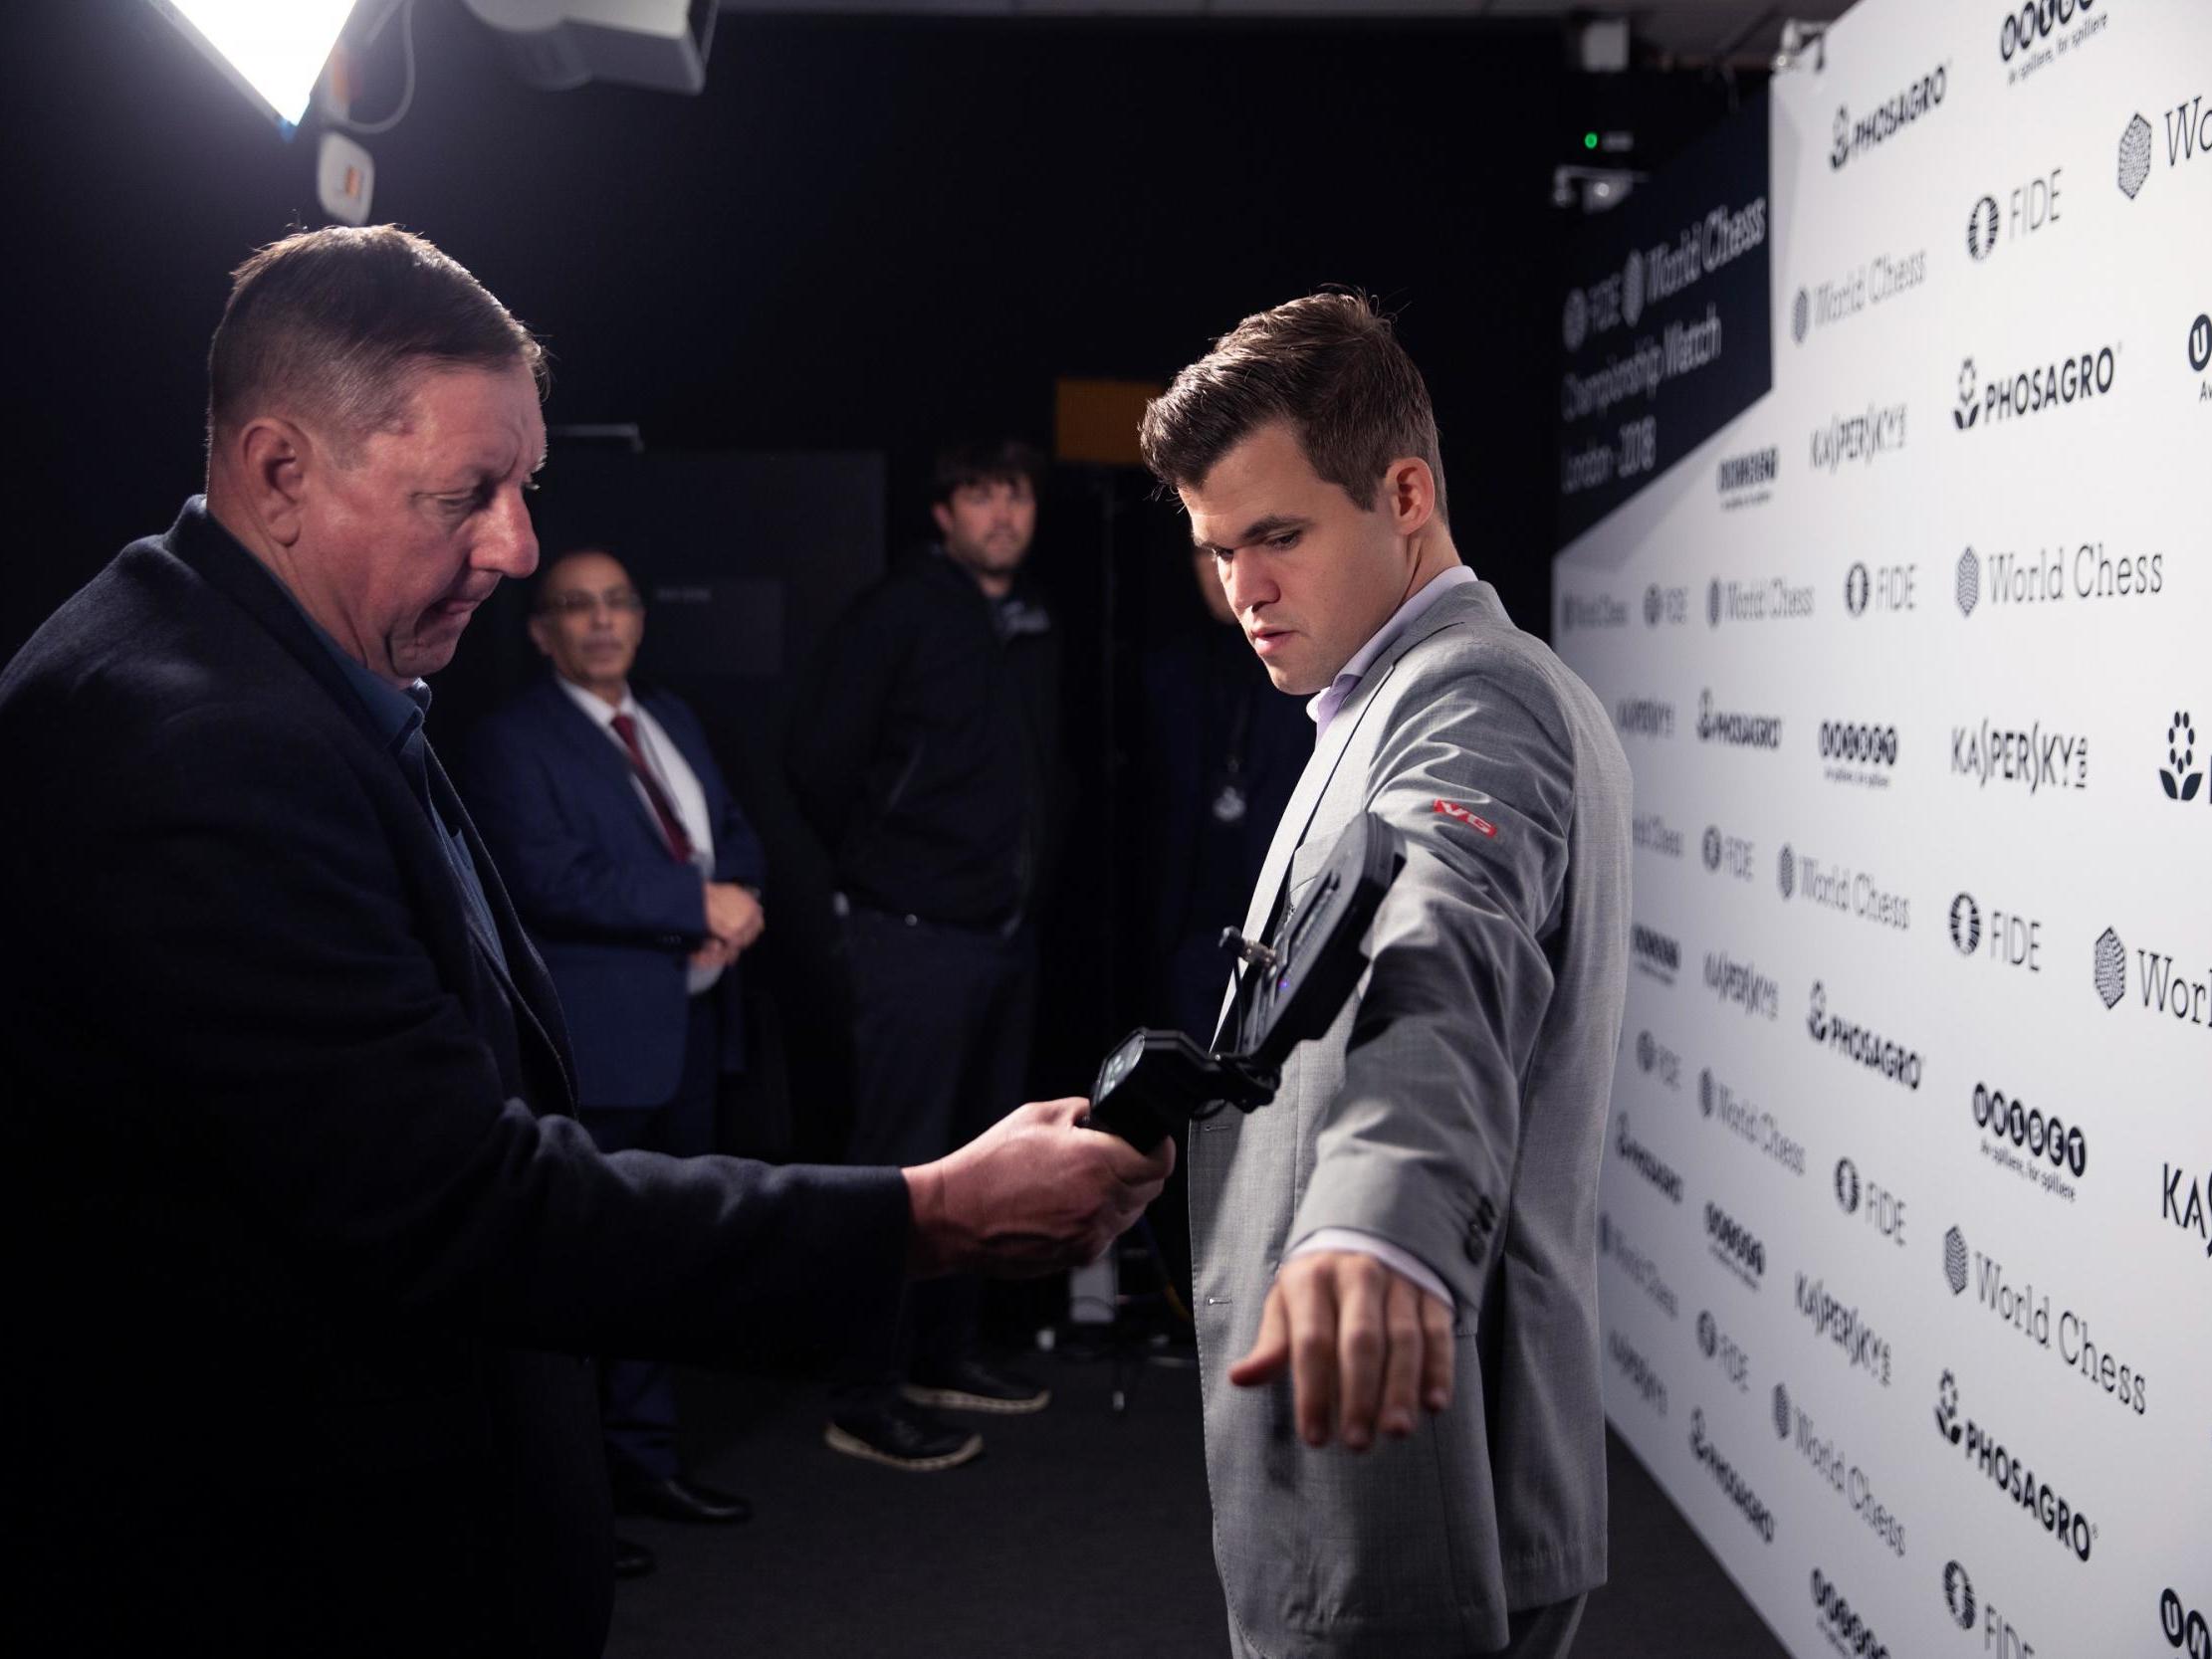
<point x="1905" y="617"/>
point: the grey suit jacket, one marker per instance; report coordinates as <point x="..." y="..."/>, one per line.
<point x="1458" y="1109"/>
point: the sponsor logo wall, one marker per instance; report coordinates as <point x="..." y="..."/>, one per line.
<point x="1902" y="604"/>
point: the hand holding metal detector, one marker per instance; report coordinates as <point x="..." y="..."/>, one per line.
<point x="1156" y="1080"/>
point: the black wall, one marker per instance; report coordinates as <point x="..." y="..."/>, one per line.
<point x="866" y="232"/>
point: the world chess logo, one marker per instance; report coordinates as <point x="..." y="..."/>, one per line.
<point x="1969" y="581"/>
<point x="1712" y="603"/>
<point x="2135" y="156"/>
<point x="1705" y="1092"/>
<point x="1781" y="1412"/>
<point x="1801" y="317"/>
<point x="1785" y="873"/>
<point x="2178" y="776"/>
<point x="1954" y="1260"/>
<point x="1646" y="1053"/>
<point x="1573" y="324"/>
<point x="2111" y="969"/>
<point x="1712" y="847"/>
<point x="1847" y="1185"/>
<point x="1968" y="411"/>
<point x="1981" y="228"/>
<point x="1958" y="1594"/>
<point x="1632" y="287"/>
<point x="1966" y="925"/>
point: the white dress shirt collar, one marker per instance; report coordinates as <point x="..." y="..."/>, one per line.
<point x="1321" y="707"/>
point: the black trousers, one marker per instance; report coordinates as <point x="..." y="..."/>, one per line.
<point x="637" y="1397"/>
<point x="942" y="1019"/>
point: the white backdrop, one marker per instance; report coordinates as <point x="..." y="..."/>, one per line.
<point x="1907" y="1274"/>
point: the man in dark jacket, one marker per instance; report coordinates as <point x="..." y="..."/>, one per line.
<point x="304" y="1237"/>
<point x="923" y="759"/>
<point x="639" y="880"/>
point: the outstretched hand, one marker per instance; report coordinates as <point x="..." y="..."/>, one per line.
<point x="1364" y="1347"/>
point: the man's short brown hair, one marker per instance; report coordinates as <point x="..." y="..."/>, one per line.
<point x="1331" y="366"/>
<point x="330" y="326"/>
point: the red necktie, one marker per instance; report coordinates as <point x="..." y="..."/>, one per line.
<point x="679" y="844"/>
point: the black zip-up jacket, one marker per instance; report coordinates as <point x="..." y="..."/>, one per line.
<point x="927" y="752"/>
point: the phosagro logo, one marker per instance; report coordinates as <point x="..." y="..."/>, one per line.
<point x="2031" y="391"/>
<point x="1856" y="1042"/>
<point x="2188" y="134"/>
<point x="1736" y="729"/>
<point x="1893" y="116"/>
<point x="1645" y="1162"/>
<point x="1844" y="1626"/>
<point x="2014" y="1479"/>
<point x="1733" y="1485"/>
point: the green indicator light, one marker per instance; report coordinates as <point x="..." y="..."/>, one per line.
<point x="1588" y="140"/>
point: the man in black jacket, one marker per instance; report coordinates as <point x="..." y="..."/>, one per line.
<point x="925" y="761"/>
<point x="307" y="1241"/>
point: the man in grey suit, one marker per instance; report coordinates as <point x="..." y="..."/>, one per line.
<point x="1403" y="1245"/>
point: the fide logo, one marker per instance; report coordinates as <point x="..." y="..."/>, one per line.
<point x="1966" y="925"/>
<point x="1847" y="1185"/>
<point x="1712" y="847"/>
<point x="1781" y="1412"/>
<point x="1958" y="1595"/>
<point x="2110" y="969"/>
<point x="1981" y="228"/>
<point x="1969" y="582"/>
<point x="1573" y="323"/>
<point x="1801" y="317"/>
<point x="2135" y="156"/>
<point x="2179" y="776"/>
<point x="1954" y="1260"/>
<point x="1858" y="585"/>
<point x="1632" y="287"/>
<point x="1654" y="606"/>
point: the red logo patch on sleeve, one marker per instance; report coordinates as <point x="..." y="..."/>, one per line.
<point x="1452" y="809"/>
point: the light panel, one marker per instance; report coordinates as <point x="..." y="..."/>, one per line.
<point x="275" y="49"/>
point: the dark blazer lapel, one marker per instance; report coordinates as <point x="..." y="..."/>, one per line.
<point x="597" y="752"/>
<point x="522" y="975"/>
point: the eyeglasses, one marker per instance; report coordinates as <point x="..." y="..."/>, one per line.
<point x="623" y="601"/>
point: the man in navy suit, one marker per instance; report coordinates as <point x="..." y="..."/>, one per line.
<point x="639" y="882"/>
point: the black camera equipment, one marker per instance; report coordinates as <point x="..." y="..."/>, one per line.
<point x="1156" y="1080"/>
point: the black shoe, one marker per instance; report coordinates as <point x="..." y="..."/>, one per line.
<point x="677" y="1498"/>
<point x="631" y="1560"/>
<point x="972" y="1385"/>
<point x="901" y="1438"/>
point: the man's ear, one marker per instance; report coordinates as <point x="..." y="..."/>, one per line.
<point x="541" y="632"/>
<point x="942" y="514"/>
<point x="1409" y="494"/>
<point x="277" y="465"/>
